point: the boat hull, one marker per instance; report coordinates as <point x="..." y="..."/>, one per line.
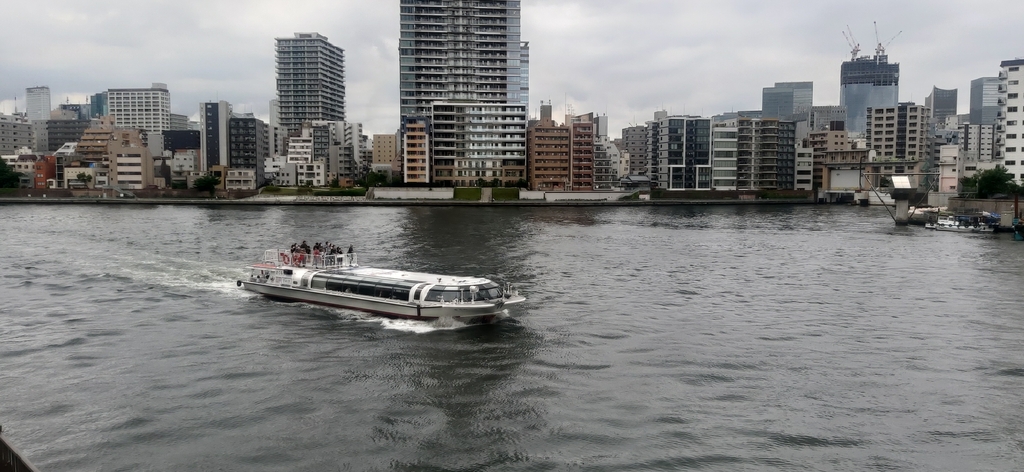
<point x="468" y="313"/>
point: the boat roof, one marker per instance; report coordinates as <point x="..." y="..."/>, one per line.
<point x="416" y="277"/>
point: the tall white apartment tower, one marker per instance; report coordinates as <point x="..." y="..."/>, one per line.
<point x="38" y="102"/>
<point x="1010" y="119"/>
<point x="147" y="109"/>
<point x="310" y="81"/>
<point x="455" y="50"/>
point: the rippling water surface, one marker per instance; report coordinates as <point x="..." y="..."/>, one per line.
<point x="803" y="338"/>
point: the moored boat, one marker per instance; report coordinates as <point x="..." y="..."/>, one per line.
<point x="965" y="224"/>
<point x="339" y="281"/>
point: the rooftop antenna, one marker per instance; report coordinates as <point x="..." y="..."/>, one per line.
<point x="880" y="49"/>
<point x="854" y="45"/>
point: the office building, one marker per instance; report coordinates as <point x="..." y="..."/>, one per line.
<point x="787" y="99"/>
<point x="98" y="105"/>
<point x="867" y="82"/>
<point x="1010" y="127"/>
<point x="827" y="118"/>
<point x="310" y="81"/>
<point x="145" y="109"/>
<point x="985" y="97"/>
<point x="942" y="104"/>
<point x="38" y="103"/>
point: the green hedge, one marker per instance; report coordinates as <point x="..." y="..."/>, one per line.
<point x="469" y="194"/>
<point x="505" y="194"/>
<point x="352" y="192"/>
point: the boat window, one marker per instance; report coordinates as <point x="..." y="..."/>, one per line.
<point x="367" y="289"/>
<point x="434" y="295"/>
<point x="400" y="294"/>
<point x="319" y="282"/>
<point x="451" y="295"/>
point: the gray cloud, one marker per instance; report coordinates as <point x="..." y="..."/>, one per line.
<point x="625" y="58"/>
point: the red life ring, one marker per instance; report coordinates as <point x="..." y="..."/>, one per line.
<point x="284" y="258"/>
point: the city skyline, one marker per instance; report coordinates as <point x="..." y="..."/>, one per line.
<point x="623" y="59"/>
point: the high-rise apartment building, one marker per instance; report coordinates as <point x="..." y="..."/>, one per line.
<point x="310" y="81"/>
<point x="724" y="145"/>
<point x="1010" y="127"/>
<point x="460" y="50"/>
<point x="867" y="82"/>
<point x="145" y="109"/>
<point x="942" y="104"/>
<point x="214" y="135"/>
<point x="761" y="144"/>
<point x="899" y="133"/>
<point x="977" y="142"/>
<point x="38" y="103"/>
<point x="985" y="97"/>
<point x="680" y="150"/>
<point x="15" y="133"/>
<point x="248" y="144"/>
<point x="478" y="142"/>
<point x="581" y="152"/>
<point x="548" y="153"/>
<point x="787" y="99"/>
<point x="416" y="133"/>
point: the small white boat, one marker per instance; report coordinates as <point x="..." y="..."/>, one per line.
<point x="963" y="224"/>
<point x="339" y="281"/>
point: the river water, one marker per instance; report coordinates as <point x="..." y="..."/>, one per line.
<point x="668" y="338"/>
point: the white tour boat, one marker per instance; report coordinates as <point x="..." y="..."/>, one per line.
<point x="963" y="224"/>
<point x="339" y="281"/>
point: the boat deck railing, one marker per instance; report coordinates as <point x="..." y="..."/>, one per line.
<point x="10" y="458"/>
<point x="285" y="258"/>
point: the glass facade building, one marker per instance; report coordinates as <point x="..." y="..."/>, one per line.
<point x="867" y="82"/>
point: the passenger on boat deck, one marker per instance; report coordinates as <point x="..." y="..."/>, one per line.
<point x="350" y="249"/>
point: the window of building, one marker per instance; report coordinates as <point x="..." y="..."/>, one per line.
<point x="1011" y="149"/>
<point x="1014" y="69"/>
<point x="1011" y="95"/>
<point x="1011" y="136"/>
<point x="1011" y="109"/>
<point x="1011" y="163"/>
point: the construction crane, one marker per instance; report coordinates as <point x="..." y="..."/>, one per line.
<point x="854" y="45"/>
<point x="880" y="49"/>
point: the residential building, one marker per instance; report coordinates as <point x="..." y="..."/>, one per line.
<point x="300" y="148"/>
<point x="680" y="149"/>
<point x="146" y="109"/>
<point x="214" y="136"/>
<point x="899" y="133"/>
<point x="821" y="143"/>
<point x="310" y="81"/>
<point x="724" y="145"/>
<point x="311" y="174"/>
<point x="761" y="144"/>
<point x="247" y="150"/>
<point x="867" y="82"/>
<point x="804" y="168"/>
<point x="581" y="153"/>
<point x="985" y="97"/>
<point x="547" y="153"/>
<point x="15" y="133"/>
<point x="476" y="142"/>
<point x="787" y="100"/>
<point x="38" y="103"/>
<point x="977" y="143"/>
<point x="455" y="51"/>
<point x="416" y="132"/>
<point x="1010" y="128"/>
<point x="339" y="145"/>
<point x="179" y="122"/>
<point x="65" y="126"/>
<point x="131" y="164"/>
<point x="606" y="162"/>
<point x="634" y="142"/>
<point x="44" y="172"/>
<point x="385" y="151"/>
<point x="942" y="104"/>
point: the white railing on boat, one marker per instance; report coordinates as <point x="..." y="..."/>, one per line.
<point x="284" y="258"/>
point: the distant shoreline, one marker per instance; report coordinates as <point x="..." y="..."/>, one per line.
<point x="392" y="203"/>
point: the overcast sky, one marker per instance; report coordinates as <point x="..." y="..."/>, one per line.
<point x="623" y="58"/>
